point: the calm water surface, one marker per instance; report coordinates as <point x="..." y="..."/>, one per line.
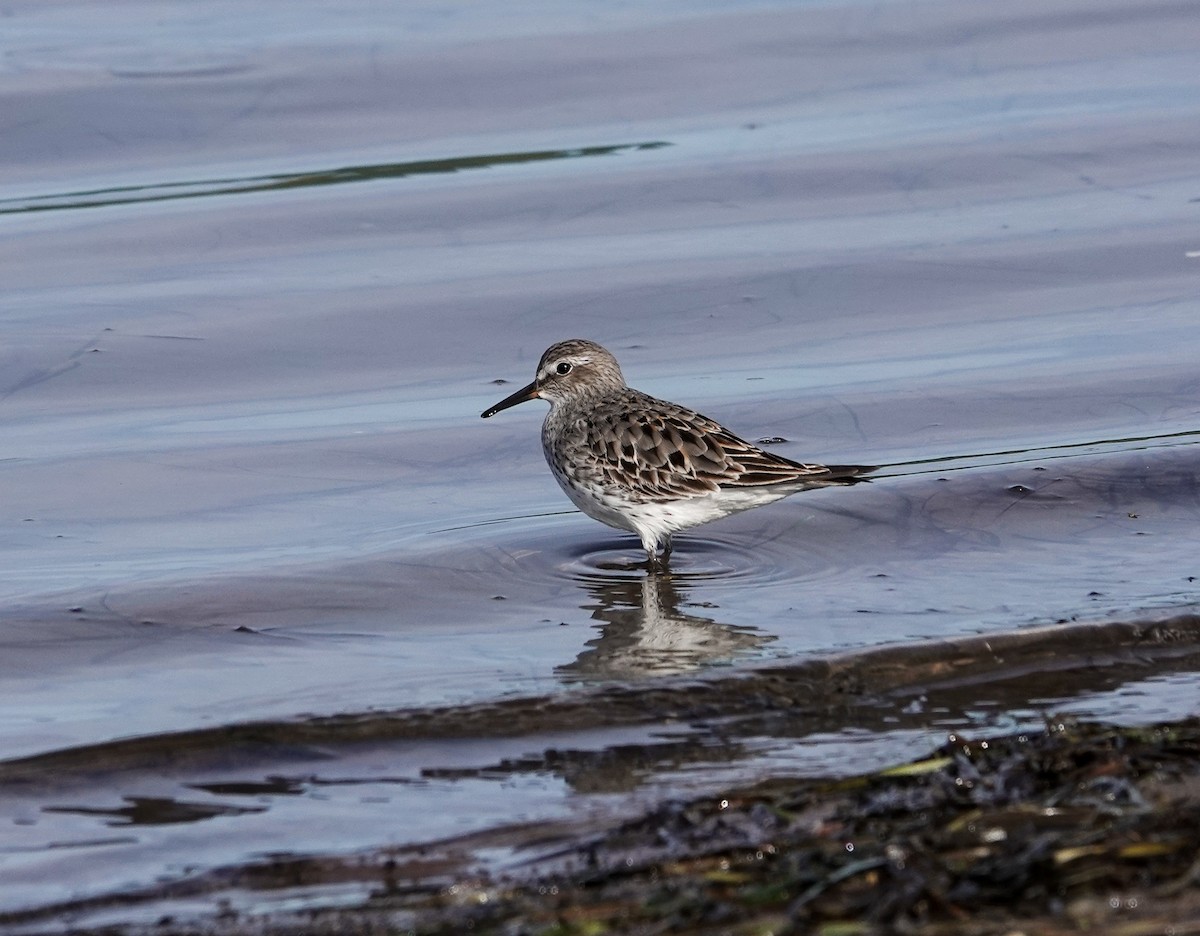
<point x="263" y="270"/>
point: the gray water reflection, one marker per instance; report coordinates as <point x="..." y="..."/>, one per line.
<point x="648" y="629"/>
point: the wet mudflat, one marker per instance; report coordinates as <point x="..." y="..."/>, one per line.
<point x="1062" y="824"/>
<point x="277" y="607"/>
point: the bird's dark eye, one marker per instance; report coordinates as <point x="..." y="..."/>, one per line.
<point x="564" y="368"/>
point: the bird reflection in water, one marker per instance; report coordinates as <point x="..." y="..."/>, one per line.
<point x="645" y="632"/>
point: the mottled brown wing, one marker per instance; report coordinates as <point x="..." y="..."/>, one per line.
<point x="668" y="451"/>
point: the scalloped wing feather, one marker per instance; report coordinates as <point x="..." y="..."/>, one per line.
<point x="668" y="452"/>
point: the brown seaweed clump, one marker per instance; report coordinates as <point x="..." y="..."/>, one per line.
<point x="1069" y="829"/>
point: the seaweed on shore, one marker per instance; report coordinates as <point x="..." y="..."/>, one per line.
<point x="1073" y="827"/>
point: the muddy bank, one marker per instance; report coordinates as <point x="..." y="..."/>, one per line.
<point x="685" y="818"/>
<point x="1068" y="829"/>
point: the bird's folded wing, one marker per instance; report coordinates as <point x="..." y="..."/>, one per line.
<point x="666" y="451"/>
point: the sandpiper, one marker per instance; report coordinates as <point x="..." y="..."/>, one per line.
<point x="645" y="465"/>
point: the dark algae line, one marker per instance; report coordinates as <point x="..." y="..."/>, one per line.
<point x="204" y="188"/>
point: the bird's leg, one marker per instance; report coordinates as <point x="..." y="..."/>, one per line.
<point x="656" y="561"/>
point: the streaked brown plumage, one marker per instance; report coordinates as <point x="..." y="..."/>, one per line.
<point x="639" y="463"/>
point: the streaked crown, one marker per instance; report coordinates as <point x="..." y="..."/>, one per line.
<point x="575" y="369"/>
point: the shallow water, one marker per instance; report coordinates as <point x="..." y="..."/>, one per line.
<point x="264" y="270"/>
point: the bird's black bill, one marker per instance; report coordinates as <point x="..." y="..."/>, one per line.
<point x="525" y="393"/>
